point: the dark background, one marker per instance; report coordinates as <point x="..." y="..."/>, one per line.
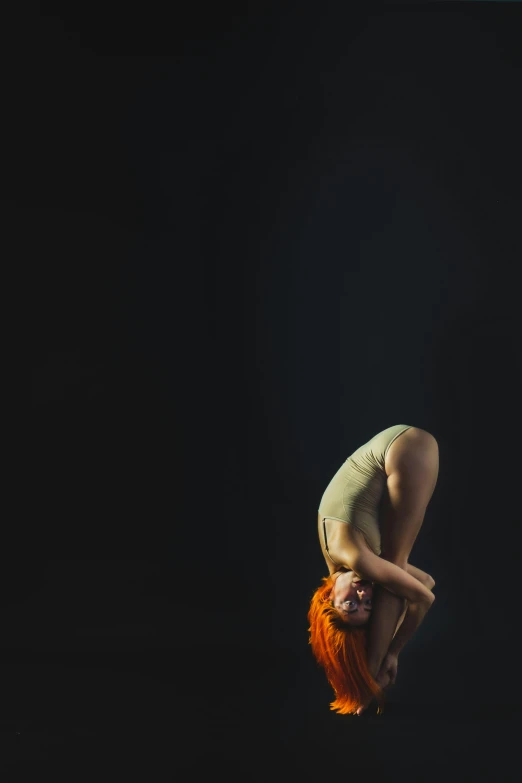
<point x="241" y="260"/>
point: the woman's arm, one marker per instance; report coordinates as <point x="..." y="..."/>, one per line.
<point x="412" y="619"/>
<point x="392" y="577"/>
<point x="386" y="639"/>
<point x="387" y="612"/>
<point x="394" y="585"/>
<point x="427" y="580"/>
<point x="390" y="609"/>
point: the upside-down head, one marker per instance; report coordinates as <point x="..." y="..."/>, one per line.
<point x="340" y="647"/>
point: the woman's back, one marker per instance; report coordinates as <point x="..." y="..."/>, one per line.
<point x="353" y="495"/>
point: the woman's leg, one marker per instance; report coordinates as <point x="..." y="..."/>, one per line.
<point x="412" y="465"/>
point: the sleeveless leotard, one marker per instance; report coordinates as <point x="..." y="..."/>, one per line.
<point x="354" y="493"/>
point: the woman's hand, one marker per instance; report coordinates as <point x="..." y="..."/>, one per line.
<point x="386" y="676"/>
<point x="388" y="671"/>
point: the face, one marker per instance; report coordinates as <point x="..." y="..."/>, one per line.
<point x="352" y="597"/>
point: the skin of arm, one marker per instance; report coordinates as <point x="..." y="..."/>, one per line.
<point x="414" y="615"/>
<point x="407" y="626"/>
<point x="410" y="621"/>
<point x="423" y="577"/>
<point x="387" y="611"/>
<point x="396" y="585"/>
<point x="402" y="596"/>
<point x="395" y="619"/>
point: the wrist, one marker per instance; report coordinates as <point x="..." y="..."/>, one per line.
<point x="395" y="648"/>
<point x="374" y="666"/>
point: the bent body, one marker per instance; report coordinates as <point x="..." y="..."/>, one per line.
<point x="368" y="521"/>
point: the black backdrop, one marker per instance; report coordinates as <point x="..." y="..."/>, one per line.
<point x="243" y="259"/>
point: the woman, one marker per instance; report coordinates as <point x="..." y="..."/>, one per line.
<point x="369" y="518"/>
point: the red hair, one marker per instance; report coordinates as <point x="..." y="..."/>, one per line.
<point x="341" y="650"/>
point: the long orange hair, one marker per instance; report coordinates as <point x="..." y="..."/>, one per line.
<point x="341" y="650"/>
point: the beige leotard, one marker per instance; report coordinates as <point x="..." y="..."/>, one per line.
<point x="354" y="493"/>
